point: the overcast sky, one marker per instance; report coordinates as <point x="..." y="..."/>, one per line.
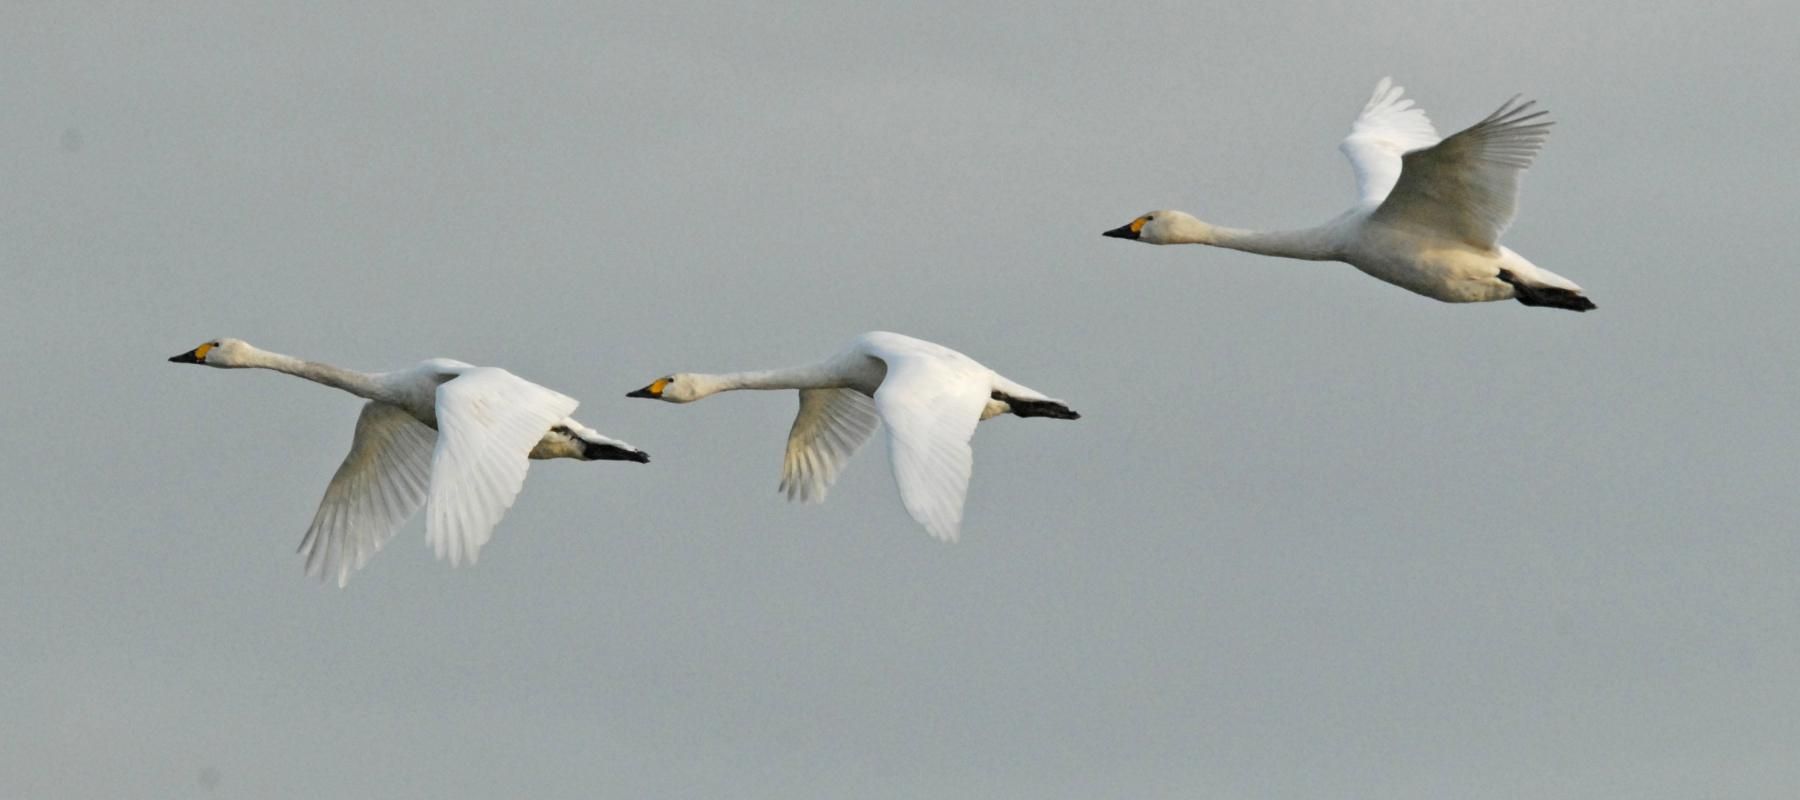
<point x="1314" y="536"/>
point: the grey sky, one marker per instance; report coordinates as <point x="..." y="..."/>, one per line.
<point x="1314" y="536"/>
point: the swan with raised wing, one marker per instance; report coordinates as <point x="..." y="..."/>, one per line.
<point x="1430" y="213"/>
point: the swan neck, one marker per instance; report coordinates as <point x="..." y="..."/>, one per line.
<point x="360" y="384"/>
<point x="1312" y="244"/>
<point x="807" y="377"/>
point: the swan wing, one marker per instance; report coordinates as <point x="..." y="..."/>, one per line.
<point x="930" y="405"/>
<point x="1467" y="186"/>
<point x="381" y="483"/>
<point x="831" y="426"/>
<point x="1388" y="128"/>
<point x="488" y="421"/>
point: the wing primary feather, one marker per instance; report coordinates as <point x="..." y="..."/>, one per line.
<point x="1466" y="187"/>
<point x="488" y="422"/>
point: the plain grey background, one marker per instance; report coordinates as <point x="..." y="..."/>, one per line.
<point x="1314" y="537"/>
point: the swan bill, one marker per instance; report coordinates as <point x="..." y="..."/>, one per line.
<point x="194" y="356"/>
<point x="653" y="391"/>
<point x="1126" y="231"/>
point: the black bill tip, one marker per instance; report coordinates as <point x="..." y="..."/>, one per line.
<point x="1121" y="232"/>
<point x="189" y="357"/>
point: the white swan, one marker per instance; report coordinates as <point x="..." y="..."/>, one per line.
<point x="929" y="396"/>
<point x="466" y="472"/>
<point x="1431" y="212"/>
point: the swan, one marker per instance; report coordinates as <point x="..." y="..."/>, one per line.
<point x="1431" y="211"/>
<point x="450" y="436"/>
<point x="929" y="396"/>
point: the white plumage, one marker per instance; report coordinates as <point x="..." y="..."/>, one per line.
<point x="445" y="435"/>
<point x="1429" y="214"/>
<point x="929" y="397"/>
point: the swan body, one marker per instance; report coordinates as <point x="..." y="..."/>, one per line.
<point x="929" y="396"/>
<point x="449" y="436"/>
<point x="1430" y="211"/>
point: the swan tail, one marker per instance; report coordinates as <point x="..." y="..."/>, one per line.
<point x="1547" y="296"/>
<point x="1023" y="407"/>
<point x="571" y="439"/>
<point x="595" y="451"/>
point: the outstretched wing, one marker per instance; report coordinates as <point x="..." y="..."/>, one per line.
<point x="930" y="405"/>
<point x="1467" y="187"/>
<point x="381" y="483"/>
<point x="488" y="421"/>
<point x="831" y="425"/>
<point x="1388" y="128"/>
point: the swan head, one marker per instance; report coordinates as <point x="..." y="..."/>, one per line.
<point x="1156" y="227"/>
<point x="678" y="388"/>
<point x="221" y="353"/>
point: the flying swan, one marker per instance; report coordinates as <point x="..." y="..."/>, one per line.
<point x="929" y="396"/>
<point x="1431" y="212"/>
<point x="452" y="437"/>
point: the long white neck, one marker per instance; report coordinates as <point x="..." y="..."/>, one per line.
<point x="811" y="376"/>
<point x="361" y="384"/>
<point x="1311" y="244"/>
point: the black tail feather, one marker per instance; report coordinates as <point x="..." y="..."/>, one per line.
<point x="1037" y="408"/>
<point x="606" y="452"/>
<point x="1547" y="296"/>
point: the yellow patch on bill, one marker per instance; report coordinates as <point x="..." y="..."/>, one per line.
<point x="1137" y="225"/>
<point x="200" y="352"/>
<point x="657" y="387"/>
